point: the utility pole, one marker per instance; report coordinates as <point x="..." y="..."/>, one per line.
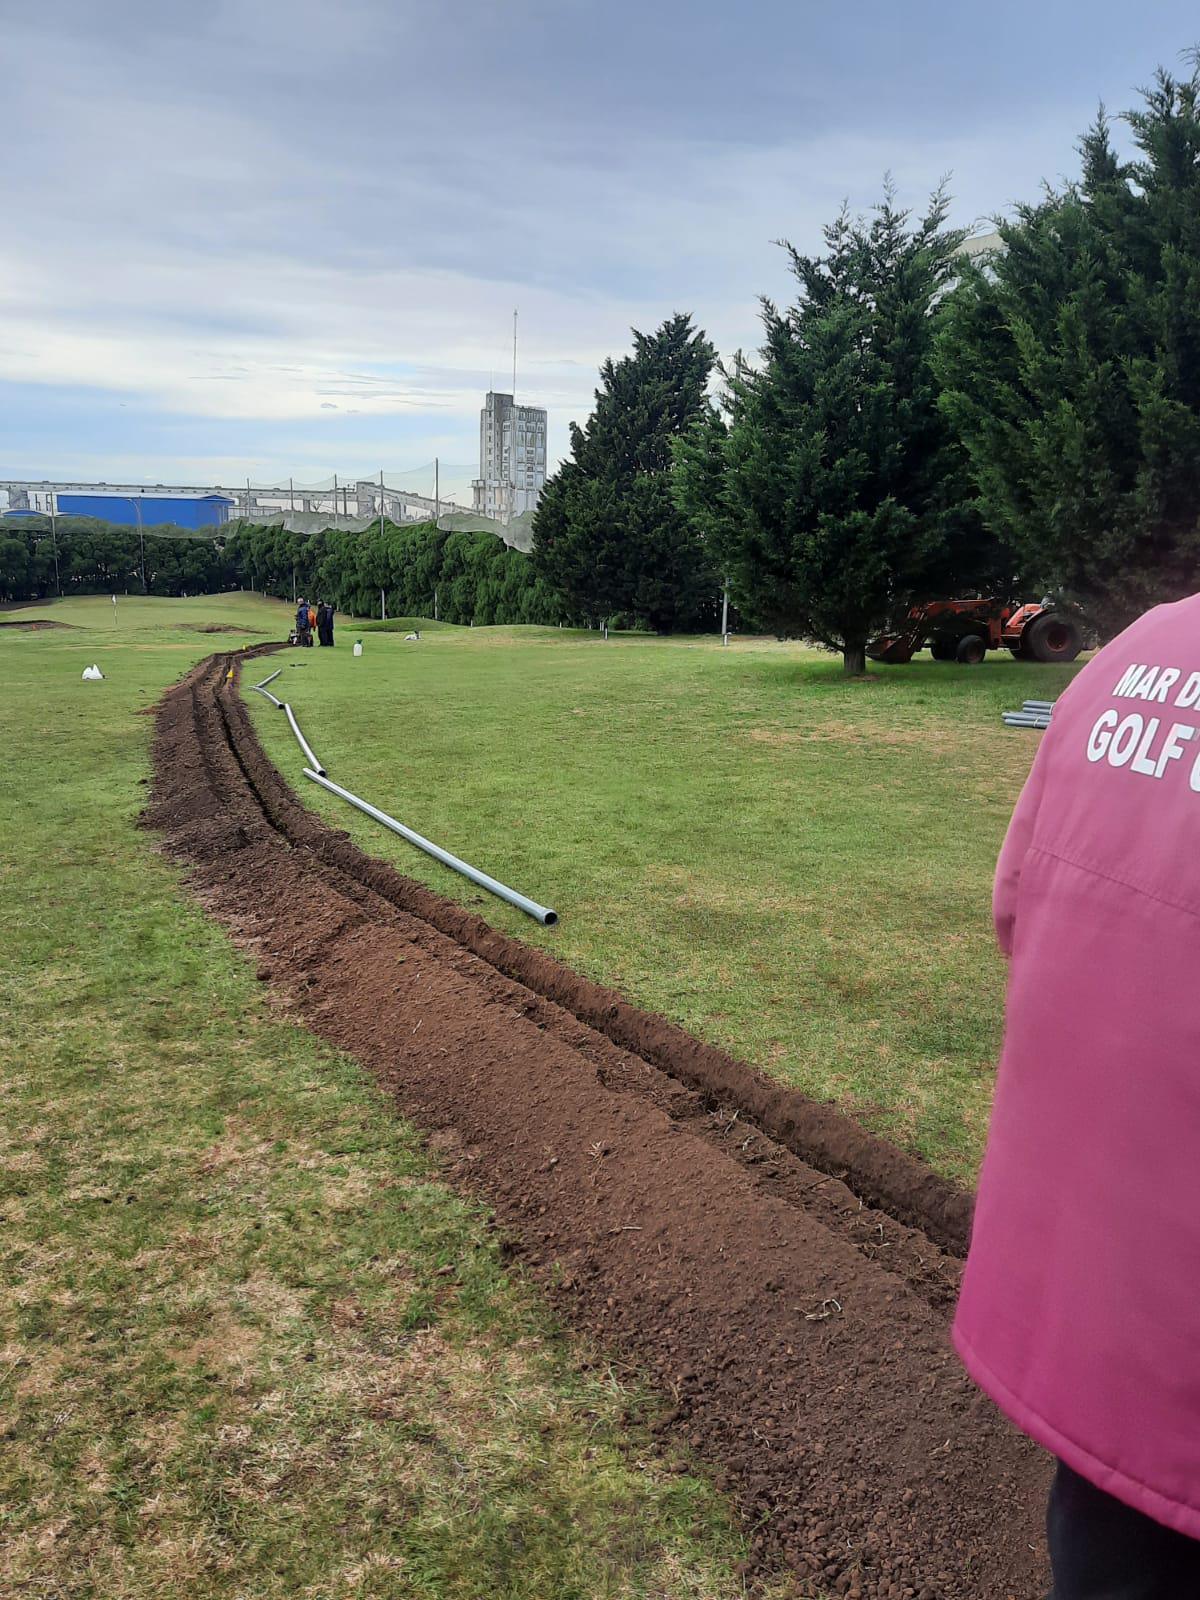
<point x="137" y="511"/>
<point x="335" y="515"/>
<point x="247" y="499"/>
<point x="381" y="502"/>
<point x="291" y="495"/>
<point x="141" y="541"/>
<point x="725" y="612"/>
<point x="54" y="542"/>
<point x="437" y="492"/>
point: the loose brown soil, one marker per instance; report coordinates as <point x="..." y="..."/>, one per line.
<point x="782" y="1275"/>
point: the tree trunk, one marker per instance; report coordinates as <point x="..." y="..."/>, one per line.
<point x="854" y="658"/>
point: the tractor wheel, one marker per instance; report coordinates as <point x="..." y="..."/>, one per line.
<point x="971" y="650"/>
<point x="942" y="647"/>
<point x="1051" y="638"/>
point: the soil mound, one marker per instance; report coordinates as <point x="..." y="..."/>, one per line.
<point x="36" y="624"/>
<point x="784" y="1277"/>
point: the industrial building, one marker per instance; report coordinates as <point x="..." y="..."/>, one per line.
<point x="209" y="505"/>
<point x="112" y="505"/>
<point x="512" y="458"/>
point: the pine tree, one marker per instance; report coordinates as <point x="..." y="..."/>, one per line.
<point x="1072" y="369"/>
<point x="837" y="490"/>
<point x="607" y="535"/>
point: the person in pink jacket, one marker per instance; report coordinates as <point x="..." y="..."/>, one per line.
<point x="1080" y="1305"/>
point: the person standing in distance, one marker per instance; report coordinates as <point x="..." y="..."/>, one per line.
<point x="1080" y="1306"/>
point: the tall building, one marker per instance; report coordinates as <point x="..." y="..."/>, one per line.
<point x="512" y="458"/>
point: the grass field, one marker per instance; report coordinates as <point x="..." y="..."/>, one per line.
<point x="249" y="1346"/>
<point x="789" y="864"/>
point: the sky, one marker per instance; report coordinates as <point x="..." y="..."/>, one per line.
<point x="273" y="238"/>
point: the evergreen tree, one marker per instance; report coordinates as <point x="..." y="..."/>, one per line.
<point x="1071" y="362"/>
<point x="607" y="534"/>
<point x="837" y="491"/>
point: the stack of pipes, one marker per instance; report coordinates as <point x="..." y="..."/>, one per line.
<point x="1033" y="714"/>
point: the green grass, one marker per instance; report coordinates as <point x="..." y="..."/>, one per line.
<point x="248" y="1344"/>
<point x="792" y="865"/>
<point x="396" y="625"/>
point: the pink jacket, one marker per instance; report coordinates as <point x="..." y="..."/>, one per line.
<point x="1080" y="1307"/>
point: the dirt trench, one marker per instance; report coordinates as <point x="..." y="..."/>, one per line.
<point x="784" y="1276"/>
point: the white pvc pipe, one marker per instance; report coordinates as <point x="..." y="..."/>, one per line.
<point x="278" y="673"/>
<point x="267" y="695"/>
<point x="303" y="742"/>
<point x="531" y="908"/>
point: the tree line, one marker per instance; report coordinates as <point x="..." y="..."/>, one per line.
<point x="918" y="423"/>
<point x="85" y="555"/>
<point x="414" y="569"/>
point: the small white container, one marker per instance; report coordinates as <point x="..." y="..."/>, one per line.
<point x="358" y="647"/>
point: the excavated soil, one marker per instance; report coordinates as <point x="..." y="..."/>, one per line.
<point x="37" y="625"/>
<point x="783" y="1276"/>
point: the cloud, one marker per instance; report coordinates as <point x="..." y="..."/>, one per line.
<point x="250" y="222"/>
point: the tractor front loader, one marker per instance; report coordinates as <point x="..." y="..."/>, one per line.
<point x="965" y="630"/>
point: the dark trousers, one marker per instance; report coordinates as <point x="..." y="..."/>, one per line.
<point x="1102" y="1549"/>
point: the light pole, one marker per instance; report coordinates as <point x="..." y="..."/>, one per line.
<point x="137" y="511"/>
<point x="54" y="542"/>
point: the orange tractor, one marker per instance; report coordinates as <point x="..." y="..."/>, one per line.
<point x="965" y="630"/>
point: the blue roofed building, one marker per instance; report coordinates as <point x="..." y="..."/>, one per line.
<point x="185" y="511"/>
